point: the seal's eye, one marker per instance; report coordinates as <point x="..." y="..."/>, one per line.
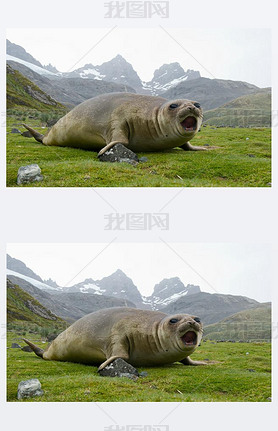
<point x="197" y="319"/>
<point x="173" y="106"/>
<point x="197" y="105"/>
<point x="173" y="320"/>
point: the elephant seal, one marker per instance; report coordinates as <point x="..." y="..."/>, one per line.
<point x="142" y="123"/>
<point x="140" y="337"/>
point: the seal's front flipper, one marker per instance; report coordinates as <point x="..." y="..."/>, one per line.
<point x="110" y="145"/>
<point x="111" y="359"/>
<point x="188" y="147"/>
<point x="188" y="361"/>
<point x="39" y="352"/>
<point x="38" y="136"/>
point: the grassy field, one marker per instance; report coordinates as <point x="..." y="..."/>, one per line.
<point x="242" y="373"/>
<point x="242" y="159"/>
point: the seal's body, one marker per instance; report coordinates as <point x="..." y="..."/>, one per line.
<point x="142" y="123"/>
<point x="141" y="337"/>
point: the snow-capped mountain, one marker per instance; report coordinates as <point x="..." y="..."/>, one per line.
<point x="117" y="290"/>
<point x="117" y="71"/>
<point x="169" y="290"/>
<point x="168" y="76"/>
<point x="117" y="285"/>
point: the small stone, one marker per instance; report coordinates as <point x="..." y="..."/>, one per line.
<point x="119" y="153"/>
<point x="29" y="388"/>
<point x="15" y="346"/>
<point x="15" y="130"/>
<point x="26" y="349"/>
<point x="251" y="370"/>
<point x="119" y="368"/>
<point x="51" y="337"/>
<point x="128" y="376"/>
<point x="143" y="159"/>
<point x="29" y="174"/>
<point x="143" y="374"/>
<point x="27" y="134"/>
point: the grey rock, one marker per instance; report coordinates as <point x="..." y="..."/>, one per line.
<point x="128" y="376"/>
<point x="15" y="346"/>
<point x="14" y="130"/>
<point x="26" y="349"/>
<point x="51" y="337"/>
<point x="143" y="159"/>
<point x="143" y="374"/>
<point x="27" y="134"/>
<point x="29" y="174"/>
<point x="119" y="368"/>
<point x="119" y="153"/>
<point x="29" y="388"/>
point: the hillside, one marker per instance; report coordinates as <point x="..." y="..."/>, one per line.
<point x="22" y="307"/>
<point x="23" y="93"/>
<point x="247" y="325"/>
<point x="210" y="93"/>
<point x="209" y="307"/>
<point x="252" y="110"/>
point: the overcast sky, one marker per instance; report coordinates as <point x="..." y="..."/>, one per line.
<point x="238" y="269"/>
<point x="237" y="54"/>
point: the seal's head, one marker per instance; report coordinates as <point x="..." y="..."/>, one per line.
<point x="185" y="332"/>
<point x="184" y="115"/>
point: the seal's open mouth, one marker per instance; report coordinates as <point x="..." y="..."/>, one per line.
<point x="189" y="123"/>
<point x="189" y="338"/>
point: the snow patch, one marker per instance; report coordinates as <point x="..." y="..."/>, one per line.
<point x="32" y="281"/>
<point x="97" y="75"/>
<point x="32" y="66"/>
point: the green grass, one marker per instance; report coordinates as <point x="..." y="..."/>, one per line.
<point x="238" y="162"/>
<point x="243" y="373"/>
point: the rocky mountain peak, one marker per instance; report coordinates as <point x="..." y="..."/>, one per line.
<point x="51" y="283"/>
<point x="51" y="68"/>
<point x="168" y="72"/>
<point x="120" y="71"/>
<point x="169" y="290"/>
<point x="169" y="75"/>
<point x="19" y="52"/>
<point x="19" y="266"/>
<point x="120" y="285"/>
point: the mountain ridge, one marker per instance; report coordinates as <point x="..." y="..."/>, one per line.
<point x="170" y="296"/>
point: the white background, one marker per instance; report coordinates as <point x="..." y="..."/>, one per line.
<point x="197" y="215"/>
